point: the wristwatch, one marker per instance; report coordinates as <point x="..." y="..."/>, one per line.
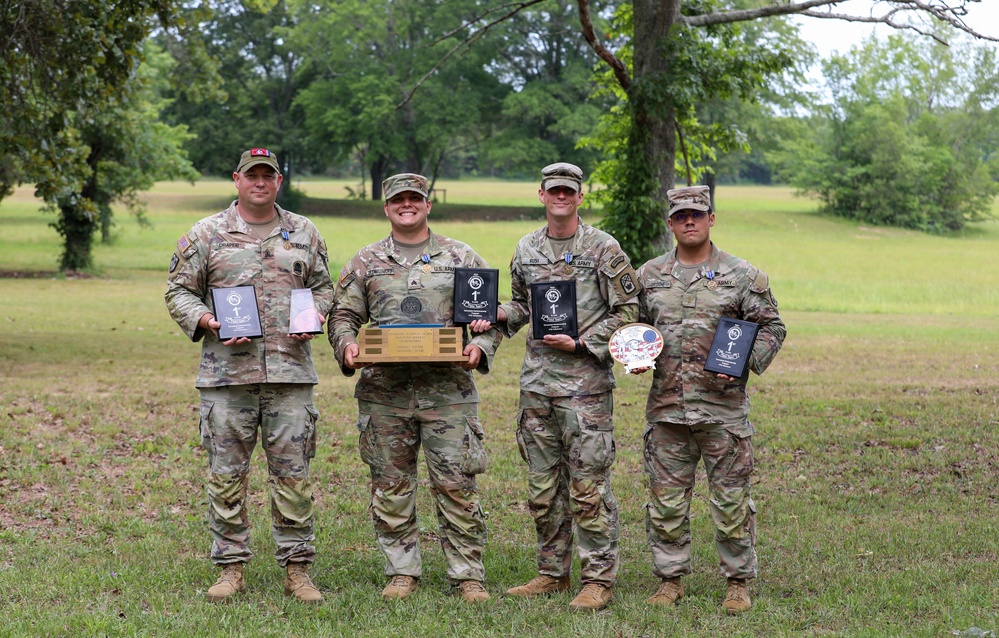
<point x="579" y="346"/>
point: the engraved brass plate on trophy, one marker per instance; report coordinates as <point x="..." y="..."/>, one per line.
<point x="410" y="344"/>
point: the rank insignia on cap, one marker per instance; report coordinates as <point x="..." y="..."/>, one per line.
<point x="259" y="152"/>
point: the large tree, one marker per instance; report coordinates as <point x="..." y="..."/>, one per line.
<point x="367" y="55"/>
<point x="670" y="41"/>
<point x="261" y="75"/>
<point x="75" y="120"/>
<point x="672" y="55"/>
<point x="910" y="138"/>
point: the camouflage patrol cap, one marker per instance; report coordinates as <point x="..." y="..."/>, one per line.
<point x="689" y="198"/>
<point x="562" y="174"/>
<point x="405" y="182"/>
<point x="256" y="156"/>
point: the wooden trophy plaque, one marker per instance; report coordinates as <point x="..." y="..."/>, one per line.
<point x="410" y="344"/>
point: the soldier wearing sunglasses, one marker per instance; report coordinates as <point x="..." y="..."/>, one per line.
<point x="693" y="414"/>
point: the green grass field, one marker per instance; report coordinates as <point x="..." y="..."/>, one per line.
<point x="877" y="446"/>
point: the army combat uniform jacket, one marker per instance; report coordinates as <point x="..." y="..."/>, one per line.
<point x="606" y="289"/>
<point x="380" y="286"/>
<point x="221" y="252"/>
<point x="682" y="391"/>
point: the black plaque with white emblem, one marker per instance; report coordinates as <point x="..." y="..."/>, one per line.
<point x="476" y="294"/>
<point x="553" y="308"/>
<point x="236" y="310"/>
<point x="731" y="347"/>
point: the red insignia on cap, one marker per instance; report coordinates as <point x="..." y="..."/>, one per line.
<point x="260" y="151"/>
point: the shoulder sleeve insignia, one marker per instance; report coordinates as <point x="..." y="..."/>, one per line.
<point x="185" y="246"/>
<point x="626" y="283"/>
<point x="761" y="283"/>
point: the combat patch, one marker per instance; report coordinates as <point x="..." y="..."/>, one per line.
<point x="626" y="283"/>
<point x="174" y="261"/>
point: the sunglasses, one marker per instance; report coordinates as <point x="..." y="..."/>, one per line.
<point x="681" y="217"/>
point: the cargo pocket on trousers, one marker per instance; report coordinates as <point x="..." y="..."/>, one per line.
<point x="474" y="460"/>
<point x="205" y="427"/>
<point x="311" y="432"/>
<point x="364" y="444"/>
<point x="596" y="442"/>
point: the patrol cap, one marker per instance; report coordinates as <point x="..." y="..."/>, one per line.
<point x="256" y="156"/>
<point x="562" y="174"/>
<point x="405" y="182"/>
<point x="689" y="198"/>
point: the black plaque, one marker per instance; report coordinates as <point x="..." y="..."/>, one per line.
<point x="236" y="310"/>
<point x="303" y="319"/>
<point x="731" y="347"/>
<point x="553" y="308"/>
<point x="476" y="294"/>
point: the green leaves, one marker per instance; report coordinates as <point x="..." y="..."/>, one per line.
<point x="910" y="140"/>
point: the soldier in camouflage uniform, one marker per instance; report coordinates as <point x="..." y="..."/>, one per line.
<point x="264" y="383"/>
<point x="408" y="278"/>
<point x="692" y="413"/>
<point x="565" y="429"/>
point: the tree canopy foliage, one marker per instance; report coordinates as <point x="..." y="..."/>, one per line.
<point x="636" y="92"/>
<point x="911" y="138"/>
<point x="78" y="121"/>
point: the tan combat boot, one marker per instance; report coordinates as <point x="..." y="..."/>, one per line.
<point x="230" y="581"/>
<point x="299" y="585"/>
<point x="400" y="587"/>
<point x="737" y="598"/>
<point x="472" y="591"/>
<point x="593" y="597"/>
<point x="540" y="586"/>
<point x="669" y="592"/>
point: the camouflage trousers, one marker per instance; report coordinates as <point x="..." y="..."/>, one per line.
<point x="568" y="444"/>
<point x="451" y="437"/>
<point x="671" y="454"/>
<point x="286" y="419"/>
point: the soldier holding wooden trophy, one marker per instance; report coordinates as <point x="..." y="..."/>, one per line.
<point x="416" y="386"/>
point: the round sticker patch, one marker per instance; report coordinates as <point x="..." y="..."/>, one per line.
<point x="411" y="306"/>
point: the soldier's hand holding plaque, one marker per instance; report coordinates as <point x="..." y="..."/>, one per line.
<point x="236" y="311"/>
<point x="476" y="294"/>
<point x="731" y="347"/>
<point x="553" y="308"/>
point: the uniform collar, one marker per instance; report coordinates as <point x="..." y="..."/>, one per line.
<point x="236" y="224"/>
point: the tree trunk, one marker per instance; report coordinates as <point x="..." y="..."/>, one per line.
<point x="378" y="167"/>
<point x="77" y="228"/>
<point x="286" y="172"/>
<point x="650" y="111"/>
